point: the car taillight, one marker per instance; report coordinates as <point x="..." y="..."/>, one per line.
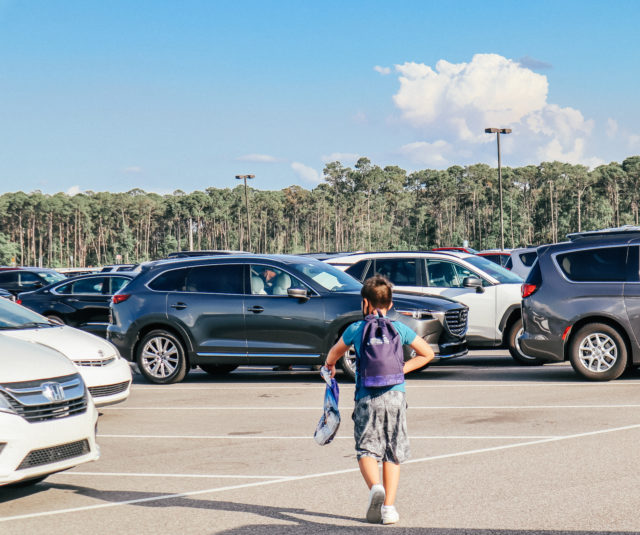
<point x="19" y="301"/>
<point x="528" y="289"/>
<point x="119" y="298"/>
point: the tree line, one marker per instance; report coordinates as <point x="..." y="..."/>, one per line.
<point x="366" y="207"/>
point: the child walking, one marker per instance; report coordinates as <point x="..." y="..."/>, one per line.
<point x="379" y="416"/>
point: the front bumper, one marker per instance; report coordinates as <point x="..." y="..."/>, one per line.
<point x="107" y="384"/>
<point x="33" y="450"/>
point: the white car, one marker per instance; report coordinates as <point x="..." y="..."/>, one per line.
<point x="521" y="260"/>
<point x="47" y="418"/>
<point x="106" y="374"/>
<point x="491" y="292"/>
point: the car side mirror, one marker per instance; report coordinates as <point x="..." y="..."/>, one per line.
<point x="298" y="293"/>
<point x="473" y="282"/>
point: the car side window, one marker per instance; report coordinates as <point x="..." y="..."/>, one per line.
<point x="603" y="264"/>
<point x="117" y="283"/>
<point x="88" y="286"/>
<point x="30" y="280"/>
<point x="170" y="281"/>
<point x="528" y="258"/>
<point x="443" y="274"/>
<point x="219" y="279"/>
<point x="400" y="271"/>
<point x="356" y="270"/>
<point x="269" y="280"/>
<point x="8" y="278"/>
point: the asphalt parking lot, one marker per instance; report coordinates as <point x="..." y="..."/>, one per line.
<point x="496" y="448"/>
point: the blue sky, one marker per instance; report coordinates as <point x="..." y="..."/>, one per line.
<point x="109" y="96"/>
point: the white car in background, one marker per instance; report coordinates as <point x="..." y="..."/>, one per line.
<point x="521" y="260"/>
<point x="47" y="418"/>
<point x="491" y="292"/>
<point x="106" y="374"/>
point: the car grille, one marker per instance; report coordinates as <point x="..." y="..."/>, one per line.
<point x="108" y="390"/>
<point x="456" y="321"/>
<point x="94" y="363"/>
<point x="30" y="401"/>
<point x="55" y="454"/>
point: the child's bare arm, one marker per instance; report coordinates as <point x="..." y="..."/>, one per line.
<point x="424" y="355"/>
<point x="339" y="349"/>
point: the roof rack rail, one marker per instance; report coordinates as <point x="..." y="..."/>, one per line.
<point x="607" y="232"/>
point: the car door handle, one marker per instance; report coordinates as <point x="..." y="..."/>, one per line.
<point x="256" y="309"/>
<point x="73" y="300"/>
<point x="179" y="306"/>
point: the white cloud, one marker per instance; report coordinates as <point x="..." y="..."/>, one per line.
<point x="306" y="173"/>
<point x="258" y="158"/>
<point x="634" y="141"/>
<point x="382" y="70"/>
<point x="612" y="127"/>
<point x="342" y="157"/>
<point x="133" y="169"/>
<point x="455" y="102"/>
<point x="73" y="190"/>
<point x="424" y="153"/>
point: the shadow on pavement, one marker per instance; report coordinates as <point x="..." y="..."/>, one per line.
<point x="290" y="516"/>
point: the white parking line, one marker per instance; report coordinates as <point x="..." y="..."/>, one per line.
<point x="309" y="437"/>
<point x="185" y="476"/>
<point x="347" y="408"/>
<point x="214" y="490"/>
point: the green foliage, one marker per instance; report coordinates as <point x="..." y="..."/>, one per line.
<point x="365" y="207"/>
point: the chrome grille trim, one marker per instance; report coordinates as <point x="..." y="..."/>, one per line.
<point x="55" y="454"/>
<point x="94" y="363"/>
<point x="28" y="400"/>
<point x="456" y="321"/>
<point x="108" y="390"/>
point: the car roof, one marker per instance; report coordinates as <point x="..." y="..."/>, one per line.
<point x="624" y="232"/>
<point x="243" y="257"/>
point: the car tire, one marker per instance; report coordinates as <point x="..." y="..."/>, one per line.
<point x="348" y="363"/>
<point x="598" y="352"/>
<point x="55" y="319"/>
<point x="515" y="331"/>
<point x="217" y="369"/>
<point x="161" y="357"/>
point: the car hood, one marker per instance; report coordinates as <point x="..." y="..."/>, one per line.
<point x="27" y="361"/>
<point x="424" y="301"/>
<point x="73" y="343"/>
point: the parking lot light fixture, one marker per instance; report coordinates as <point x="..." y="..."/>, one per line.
<point x="499" y="131"/>
<point x="246" y="203"/>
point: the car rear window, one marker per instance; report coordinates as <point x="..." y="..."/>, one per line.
<point x="528" y="258"/>
<point x="603" y="264"/>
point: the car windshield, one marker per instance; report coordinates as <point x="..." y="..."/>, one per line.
<point x="52" y="276"/>
<point x="13" y="316"/>
<point x="491" y="268"/>
<point x="327" y="276"/>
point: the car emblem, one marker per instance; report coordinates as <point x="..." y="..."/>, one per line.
<point x="53" y="391"/>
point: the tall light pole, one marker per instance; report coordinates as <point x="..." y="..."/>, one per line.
<point x="246" y="203"/>
<point x="499" y="131"/>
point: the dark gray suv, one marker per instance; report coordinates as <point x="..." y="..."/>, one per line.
<point x="220" y="312"/>
<point x="581" y="302"/>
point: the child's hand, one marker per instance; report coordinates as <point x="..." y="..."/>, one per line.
<point x="331" y="368"/>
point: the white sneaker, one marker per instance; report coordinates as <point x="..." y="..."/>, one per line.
<point x="376" y="499"/>
<point x="389" y="514"/>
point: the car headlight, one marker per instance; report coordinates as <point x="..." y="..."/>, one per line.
<point x="5" y="406"/>
<point x="417" y="314"/>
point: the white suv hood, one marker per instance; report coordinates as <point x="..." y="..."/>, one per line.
<point x="26" y="361"/>
<point x="74" y="343"/>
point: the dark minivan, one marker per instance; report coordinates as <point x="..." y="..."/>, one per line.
<point x="221" y="312"/>
<point x="581" y="302"/>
